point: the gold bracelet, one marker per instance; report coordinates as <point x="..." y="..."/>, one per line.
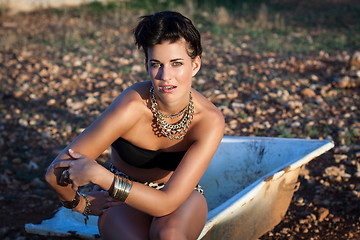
<point x="121" y="189"/>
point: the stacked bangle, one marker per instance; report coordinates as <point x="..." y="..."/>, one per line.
<point x="121" y="189"/>
<point x="73" y="203"/>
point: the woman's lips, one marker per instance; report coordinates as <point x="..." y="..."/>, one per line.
<point x="168" y="88"/>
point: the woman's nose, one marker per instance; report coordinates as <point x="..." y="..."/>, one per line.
<point x="164" y="73"/>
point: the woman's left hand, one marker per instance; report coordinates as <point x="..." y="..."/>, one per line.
<point x="101" y="201"/>
<point x="81" y="169"/>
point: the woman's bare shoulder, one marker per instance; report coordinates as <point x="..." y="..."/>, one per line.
<point x="129" y="106"/>
<point x="136" y="96"/>
<point x="136" y="92"/>
<point x="210" y="119"/>
<point x="207" y="108"/>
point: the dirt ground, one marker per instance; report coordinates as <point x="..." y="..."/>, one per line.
<point x="50" y="90"/>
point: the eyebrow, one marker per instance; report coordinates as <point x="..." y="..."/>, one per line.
<point x="172" y="60"/>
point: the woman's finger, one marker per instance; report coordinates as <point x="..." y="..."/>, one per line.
<point x="62" y="164"/>
<point x="74" y="154"/>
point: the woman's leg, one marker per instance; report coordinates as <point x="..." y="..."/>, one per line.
<point x="124" y="222"/>
<point x="186" y="222"/>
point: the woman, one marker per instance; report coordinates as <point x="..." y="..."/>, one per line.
<point x="163" y="135"/>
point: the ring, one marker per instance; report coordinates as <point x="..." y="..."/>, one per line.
<point x="66" y="176"/>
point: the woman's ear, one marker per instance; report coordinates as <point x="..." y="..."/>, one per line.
<point x="196" y="62"/>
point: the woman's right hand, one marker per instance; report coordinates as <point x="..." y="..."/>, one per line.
<point x="101" y="201"/>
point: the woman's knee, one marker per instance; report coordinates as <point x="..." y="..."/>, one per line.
<point x="186" y="222"/>
<point x="105" y="224"/>
<point x="166" y="233"/>
<point x="124" y="221"/>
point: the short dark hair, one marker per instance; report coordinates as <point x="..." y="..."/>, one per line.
<point x="167" y="26"/>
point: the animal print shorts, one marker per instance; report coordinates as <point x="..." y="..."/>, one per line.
<point x="157" y="186"/>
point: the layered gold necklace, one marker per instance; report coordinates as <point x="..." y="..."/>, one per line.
<point x="177" y="130"/>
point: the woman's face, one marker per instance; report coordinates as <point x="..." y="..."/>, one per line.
<point x="171" y="69"/>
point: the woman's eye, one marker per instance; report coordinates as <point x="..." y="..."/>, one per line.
<point x="154" y="65"/>
<point x="177" y="63"/>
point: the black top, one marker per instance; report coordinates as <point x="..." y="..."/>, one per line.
<point x="144" y="158"/>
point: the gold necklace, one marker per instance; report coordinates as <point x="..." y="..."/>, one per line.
<point x="177" y="130"/>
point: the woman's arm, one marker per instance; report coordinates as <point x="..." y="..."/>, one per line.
<point x="115" y="121"/>
<point x="207" y="136"/>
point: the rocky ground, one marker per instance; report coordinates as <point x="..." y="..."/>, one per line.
<point x="60" y="70"/>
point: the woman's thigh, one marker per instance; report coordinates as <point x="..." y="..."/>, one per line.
<point x="186" y="222"/>
<point x="124" y="222"/>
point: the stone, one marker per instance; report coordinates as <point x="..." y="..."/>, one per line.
<point x="51" y="102"/>
<point x="355" y="60"/>
<point x="357" y="73"/>
<point x="23" y="122"/>
<point x="75" y="105"/>
<point x="314" y="78"/>
<point x="344" y="82"/>
<point x="296" y="124"/>
<point x="340" y="157"/>
<point x="307" y="92"/>
<point x="136" y="68"/>
<point x="232" y="94"/>
<point x="357" y="175"/>
<point x="334" y="173"/>
<point x="91" y="100"/>
<point x="77" y="63"/>
<point x="322" y="214"/>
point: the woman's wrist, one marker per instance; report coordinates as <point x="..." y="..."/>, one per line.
<point x="80" y="207"/>
<point x="103" y="178"/>
<point x="78" y="203"/>
<point x="73" y="203"/>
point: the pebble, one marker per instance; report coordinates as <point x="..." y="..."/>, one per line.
<point x="355" y="60"/>
<point x="23" y="122"/>
<point x="232" y="94"/>
<point x="77" y="63"/>
<point x="344" y="82"/>
<point x="342" y="149"/>
<point x="357" y="175"/>
<point x="137" y="68"/>
<point x="76" y="105"/>
<point x="357" y="73"/>
<point x="296" y="124"/>
<point x="233" y="124"/>
<point x="314" y="78"/>
<point x="322" y="214"/>
<point x="51" y="102"/>
<point x="307" y="92"/>
<point x="118" y="81"/>
<point x="340" y="157"/>
<point x="32" y="165"/>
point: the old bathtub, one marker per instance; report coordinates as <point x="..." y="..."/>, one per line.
<point x="248" y="185"/>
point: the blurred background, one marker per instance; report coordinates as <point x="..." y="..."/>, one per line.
<point x="274" y="68"/>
